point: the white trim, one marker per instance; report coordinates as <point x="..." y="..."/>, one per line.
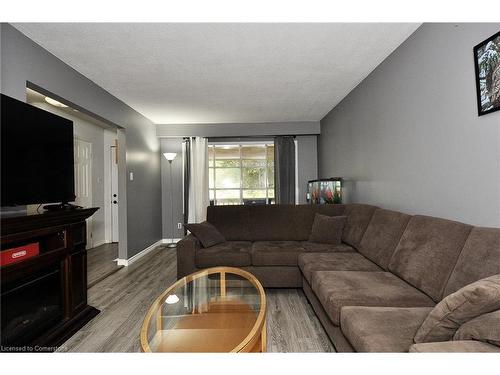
<point x="90" y="220"/>
<point x="129" y="261"/>
<point x="167" y="240"/>
<point x="109" y="140"/>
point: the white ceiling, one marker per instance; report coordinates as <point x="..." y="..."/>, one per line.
<point x="221" y="73"/>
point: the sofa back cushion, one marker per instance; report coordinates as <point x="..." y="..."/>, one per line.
<point x="467" y="303"/>
<point x="479" y="258"/>
<point x="428" y="252"/>
<point x="233" y="222"/>
<point x="358" y="218"/>
<point x="382" y="236"/>
<point x="327" y="229"/>
<point x="268" y="222"/>
<point x="273" y="223"/>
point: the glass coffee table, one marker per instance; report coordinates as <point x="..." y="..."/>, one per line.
<point x="220" y="309"/>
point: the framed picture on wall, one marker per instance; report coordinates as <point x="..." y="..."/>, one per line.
<point x="487" y="62"/>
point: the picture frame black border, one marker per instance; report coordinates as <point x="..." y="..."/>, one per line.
<point x="476" y="69"/>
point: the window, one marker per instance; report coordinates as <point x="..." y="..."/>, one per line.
<point x="241" y="173"/>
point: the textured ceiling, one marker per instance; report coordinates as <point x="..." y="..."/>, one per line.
<point x="221" y="73"/>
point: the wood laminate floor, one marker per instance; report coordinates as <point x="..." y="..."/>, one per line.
<point x="101" y="262"/>
<point x="125" y="296"/>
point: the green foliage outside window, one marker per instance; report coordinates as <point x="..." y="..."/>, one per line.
<point x="241" y="173"/>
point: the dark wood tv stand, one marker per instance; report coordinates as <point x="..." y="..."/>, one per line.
<point x="44" y="298"/>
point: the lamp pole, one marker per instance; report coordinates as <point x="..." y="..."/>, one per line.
<point x="170" y="156"/>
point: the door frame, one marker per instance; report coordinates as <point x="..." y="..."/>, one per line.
<point x="90" y="240"/>
<point x="110" y="140"/>
<point x="114" y="222"/>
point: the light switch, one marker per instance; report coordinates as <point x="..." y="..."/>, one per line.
<point x="131" y="176"/>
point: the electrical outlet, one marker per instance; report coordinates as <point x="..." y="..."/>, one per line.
<point x="179" y="225"/>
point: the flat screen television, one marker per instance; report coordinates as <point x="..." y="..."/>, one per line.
<point x="36" y="155"/>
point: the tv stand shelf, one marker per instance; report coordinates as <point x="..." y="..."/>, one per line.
<point x="44" y="297"/>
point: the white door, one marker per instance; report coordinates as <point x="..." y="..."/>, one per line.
<point x="83" y="180"/>
<point x="114" y="194"/>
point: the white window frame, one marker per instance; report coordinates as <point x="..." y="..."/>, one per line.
<point x="239" y="144"/>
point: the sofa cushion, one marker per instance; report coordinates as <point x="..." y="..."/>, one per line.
<point x="282" y="222"/>
<point x="276" y="253"/>
<point x="327" y="229"/>
<point x="427" y="253"/>
<point x="230" y="253"/>
<point x="206" y="233"/>
<point x="473" y="300"/>
<point x="304" y="215"/>
<point x="232" y="221"/>
<point x="275" y="223"/>
<point x="484" y="327"/>
<point x="268" y="222"/>
<point x="467" y="346"/>
<point x="383" y="235"/>
<point x="326" y="248"/>
<point x="479" y="258"/>
<point x="336" y="289"/>
<point x="309" y="262"/>
<point x="358" y="218"/>
<point x="381" y="329"/>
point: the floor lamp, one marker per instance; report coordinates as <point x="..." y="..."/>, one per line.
<point x="170" y="156"/>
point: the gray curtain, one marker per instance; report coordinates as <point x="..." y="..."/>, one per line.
<point x="187" y="166"/>
<point x="284" y="170"/>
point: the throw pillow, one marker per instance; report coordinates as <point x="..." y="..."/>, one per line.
<point x="327" y="229"/>
<point x="485" y="328"/>
<point x="472" y="300"/>
<point x="206" y="233"/>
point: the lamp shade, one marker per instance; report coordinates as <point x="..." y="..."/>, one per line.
<point x="170" y="155"/>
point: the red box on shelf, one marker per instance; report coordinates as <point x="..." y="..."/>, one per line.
<point x="18" y="254"/>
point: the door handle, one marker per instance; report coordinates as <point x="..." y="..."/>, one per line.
<point x="115" y="202"/>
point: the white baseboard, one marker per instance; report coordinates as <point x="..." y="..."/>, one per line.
<point x="129" y="261"/>
<point x="168" y="240"/>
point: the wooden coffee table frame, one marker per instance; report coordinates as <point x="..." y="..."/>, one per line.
<point x="255" y="341"/>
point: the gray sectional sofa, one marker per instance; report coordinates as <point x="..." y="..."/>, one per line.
<point x="373" y="291"/>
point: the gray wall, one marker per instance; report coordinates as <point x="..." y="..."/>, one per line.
<point x="307" y="163"/>
<point x="23" y="60"/>
<point x="409" y="138"/>
<point x="237" y="129"/>
<point x="172" y="145"/>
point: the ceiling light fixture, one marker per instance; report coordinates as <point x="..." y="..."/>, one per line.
<point x="55" y="103"/>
